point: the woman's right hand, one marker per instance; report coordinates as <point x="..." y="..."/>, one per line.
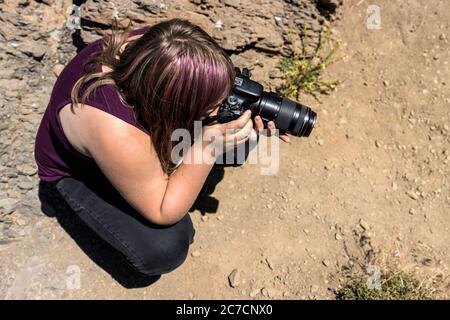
<point x="222" y="137"/>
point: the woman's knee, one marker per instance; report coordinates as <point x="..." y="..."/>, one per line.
<point x="168" y="251"/>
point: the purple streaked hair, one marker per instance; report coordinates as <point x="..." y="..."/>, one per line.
<point x="172" y="75"/>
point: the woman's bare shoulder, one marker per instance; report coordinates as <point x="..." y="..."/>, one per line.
<point x="85" y="126"/>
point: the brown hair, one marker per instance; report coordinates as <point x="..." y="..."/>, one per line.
<point x="171" y="76"/>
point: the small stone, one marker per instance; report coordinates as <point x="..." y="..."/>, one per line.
<point x="377" y="144"/>
<point x="427" y="262"/>
<point x="34" y="50"/>
<point x="442" y="36"/>
<point x="283" y="215"/>
<point x="219" y="217"/>
<point x="306" y="231"/>
<point x="270" y="292"/>
<point x="364" y="224"/>
<point x="412" y="194"/>
<point x="320" y="142"/>
<point x="412" y="211"/>
<point x="234" y="278"/>
<point x="195" y="254"/>
<point x="326" y="263"/>
<point x="254" y="293"/>
<point x="205" y="218"/>
<point x="386" y="83"/>
<point x="338" y="236"/>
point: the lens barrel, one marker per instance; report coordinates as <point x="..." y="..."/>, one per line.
<point x="288" y="115"/>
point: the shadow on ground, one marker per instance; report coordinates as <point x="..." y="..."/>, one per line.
<point x="102" y="253"/>
<point x="98" y="250"/>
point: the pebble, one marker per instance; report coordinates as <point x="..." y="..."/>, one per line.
<point x="254" y="293"/>
<point x="413" y="195"/>
<point x="364" y="224"/>
<point x="195" y="254"/>
<point x="283" y="215"/>
<point x="270" y="292"/>
<point x="234" y="278"/>
<point x="412" y="211"/>
<point x="338" y="236"/>
<point x="32" y="49"/>
<point x="326" y="262"/>
<point x="204" y="218"/>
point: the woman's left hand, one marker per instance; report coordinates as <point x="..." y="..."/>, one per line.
<point x="271" y="129"/>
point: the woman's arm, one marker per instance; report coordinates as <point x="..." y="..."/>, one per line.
<point x="126" y="156"/>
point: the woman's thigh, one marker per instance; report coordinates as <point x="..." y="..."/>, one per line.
<point x="150" y="248"/>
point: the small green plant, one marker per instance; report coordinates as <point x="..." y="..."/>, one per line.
<point x="394" y="286"/>
<point x="302" y="70"/>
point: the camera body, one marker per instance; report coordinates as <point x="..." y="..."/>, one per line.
<point x="289" y="116"/>
<point x="245" y="92"/>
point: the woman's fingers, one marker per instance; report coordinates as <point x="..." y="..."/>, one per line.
<point x="239" y="122"/>
<point x="243" y="132"/>
<point x="259" y="124"/>
<point x="285" y="138"/>
<point x="271" y="128"/>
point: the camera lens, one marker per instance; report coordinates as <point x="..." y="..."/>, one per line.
<point x="288" y="115"/>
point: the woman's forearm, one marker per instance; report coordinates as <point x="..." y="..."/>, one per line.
<point x="186" y="182"/>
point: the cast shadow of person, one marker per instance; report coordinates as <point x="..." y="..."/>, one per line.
<point x="102" y="253"/>
<point x="205" y="202"/>
<point x="98" y="250"/>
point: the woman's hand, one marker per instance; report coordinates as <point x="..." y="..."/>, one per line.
<point x="271" y="129"/>
<point x="226" y="136"/>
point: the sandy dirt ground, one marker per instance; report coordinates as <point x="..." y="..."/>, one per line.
<point x="369" y="187"/>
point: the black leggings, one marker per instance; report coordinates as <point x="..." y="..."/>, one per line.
<point x="151" y="249"/>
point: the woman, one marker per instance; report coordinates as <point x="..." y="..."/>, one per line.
<point x="105" y="138"/>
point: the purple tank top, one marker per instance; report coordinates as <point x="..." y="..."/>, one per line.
<point x="55" y="156"/>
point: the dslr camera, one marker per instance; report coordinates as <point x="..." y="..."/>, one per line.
<point x="289" y="116"/>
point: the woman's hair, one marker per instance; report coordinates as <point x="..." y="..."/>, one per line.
<point x="171" y="76"/>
